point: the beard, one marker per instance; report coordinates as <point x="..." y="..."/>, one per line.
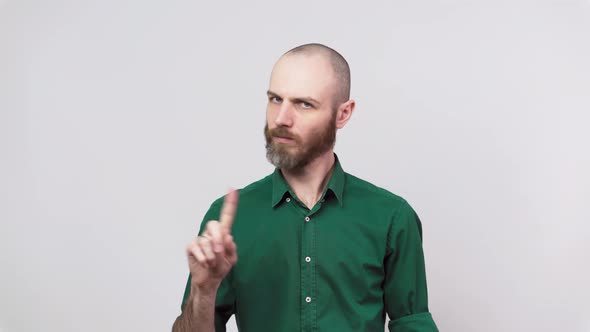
<point x="295" y="156"/>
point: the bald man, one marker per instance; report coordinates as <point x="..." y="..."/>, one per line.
<point x="311" y="247"/>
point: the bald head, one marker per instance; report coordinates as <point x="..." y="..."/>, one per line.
<point x="339" y="66"/>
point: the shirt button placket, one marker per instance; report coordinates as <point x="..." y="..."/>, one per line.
<point x="307" y="276"/>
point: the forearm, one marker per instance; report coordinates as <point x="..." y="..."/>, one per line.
<point x="198" y="314"/>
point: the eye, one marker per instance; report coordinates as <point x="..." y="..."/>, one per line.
<point x="275" y="99"/>
<point x="306" y="105"/>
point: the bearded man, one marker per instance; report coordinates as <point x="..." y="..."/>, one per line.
<point x="319" y="249"/>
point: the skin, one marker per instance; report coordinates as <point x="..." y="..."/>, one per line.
<point x="301" y="103"/>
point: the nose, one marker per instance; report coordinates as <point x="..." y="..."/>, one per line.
<point x="284" y="117"/>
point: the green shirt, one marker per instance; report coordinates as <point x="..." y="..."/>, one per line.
<point x="341" y="266"/>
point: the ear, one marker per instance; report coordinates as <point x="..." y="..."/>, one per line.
<point x="344" y="113"/>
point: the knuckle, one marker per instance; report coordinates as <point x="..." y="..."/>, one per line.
<point x="207" y="249"/>
<point x="196" y="253"/>
<point x="191" y="247"/>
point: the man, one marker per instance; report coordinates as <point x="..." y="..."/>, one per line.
<point x="319" y="249"/>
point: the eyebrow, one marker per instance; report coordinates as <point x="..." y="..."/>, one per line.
<point x="296" y="99"/>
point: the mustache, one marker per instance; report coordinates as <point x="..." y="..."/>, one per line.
<point x="283" y="132"/>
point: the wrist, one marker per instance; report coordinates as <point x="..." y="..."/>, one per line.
<point x="208" y="288"/>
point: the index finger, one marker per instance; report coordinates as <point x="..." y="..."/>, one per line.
<point x="228" y="210"/>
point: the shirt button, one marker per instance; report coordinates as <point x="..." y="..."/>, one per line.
<point x="288" y="199"/>
<point x="308" y="299"/>
<point x="308" y="259"/>
<point x="307" y="219"/>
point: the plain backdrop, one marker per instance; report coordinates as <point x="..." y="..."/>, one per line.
<point x="121" y="121"/>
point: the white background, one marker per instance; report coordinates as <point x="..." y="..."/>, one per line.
<point x="120" y="122"/>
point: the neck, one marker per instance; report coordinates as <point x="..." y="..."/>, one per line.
<point x="309" y="182"/>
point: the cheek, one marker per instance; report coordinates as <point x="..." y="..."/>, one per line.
<point x="307" y="131"/>
<point x="314" y="128"/>
<point x="271" y="112"/>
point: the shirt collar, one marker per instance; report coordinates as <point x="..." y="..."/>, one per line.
<point x="336" y="184"/>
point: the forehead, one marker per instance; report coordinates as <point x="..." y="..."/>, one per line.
<point x="301" y="75"/>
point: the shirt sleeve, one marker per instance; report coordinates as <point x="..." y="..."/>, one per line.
<point x="406" y="299"/>
<point x="225" y="301"/>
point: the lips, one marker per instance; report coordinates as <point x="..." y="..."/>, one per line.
<point x="282" y="139"/>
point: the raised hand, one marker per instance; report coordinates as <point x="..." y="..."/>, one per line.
<point x="212" y="254"/>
